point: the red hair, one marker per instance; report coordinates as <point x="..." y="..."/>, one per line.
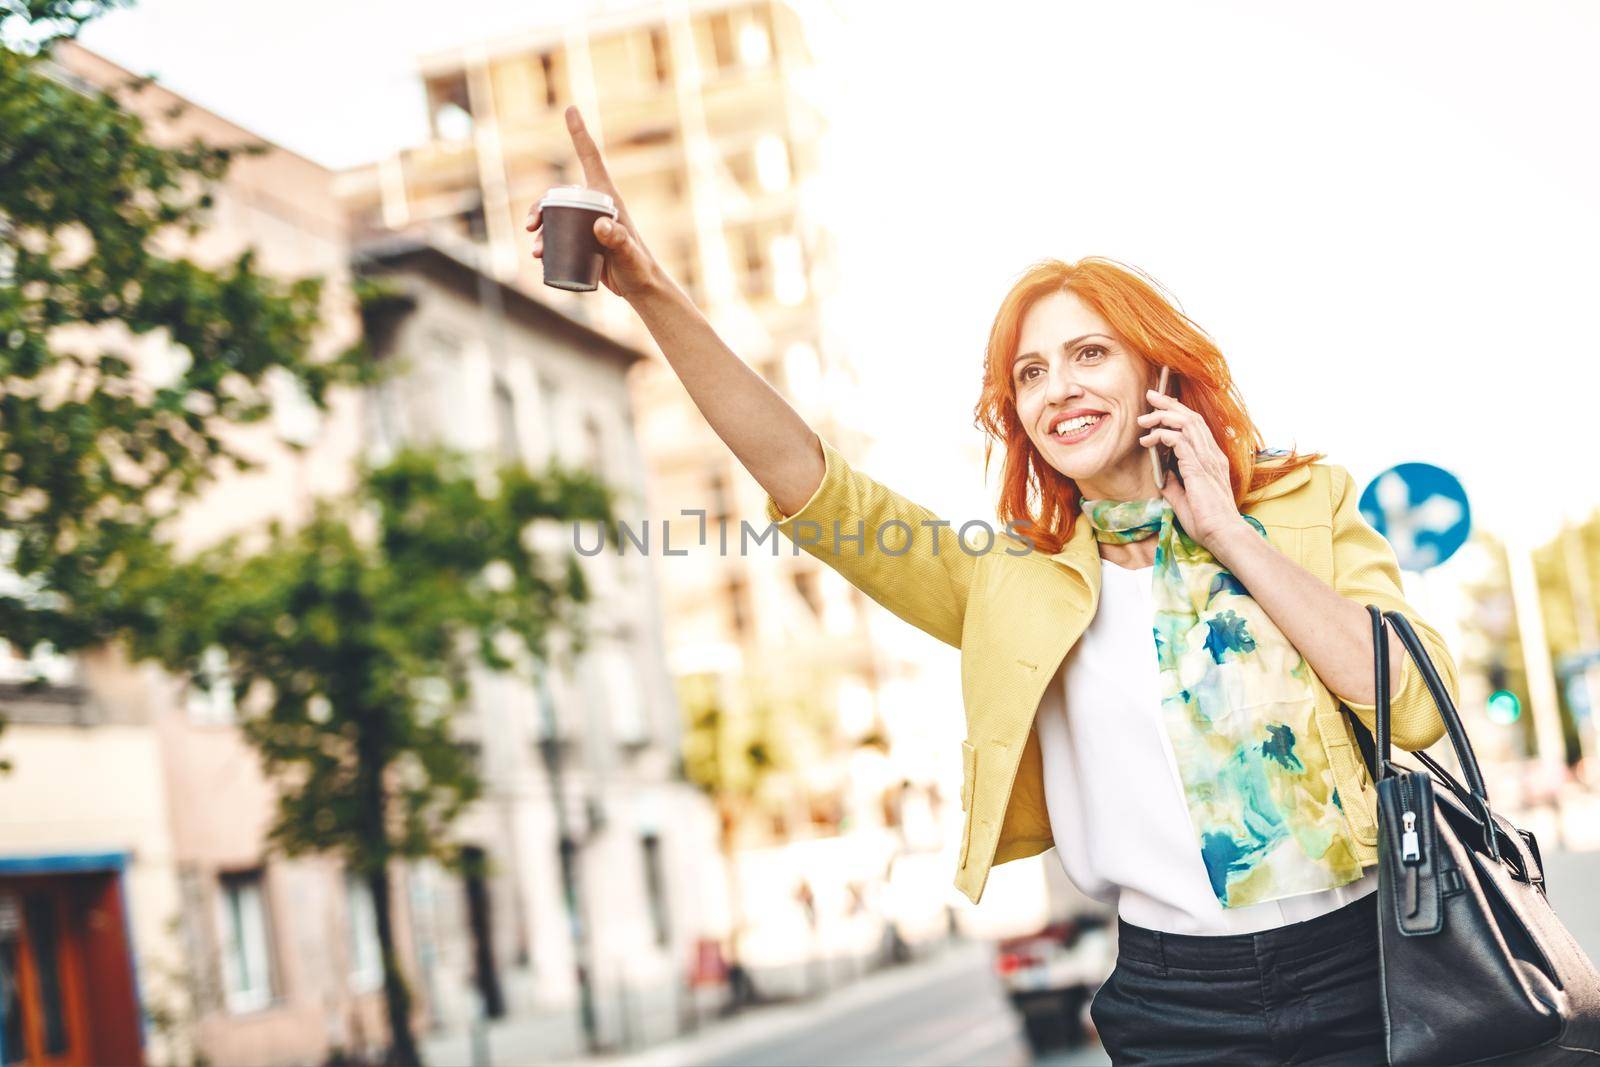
<point x="1040" y="500"/>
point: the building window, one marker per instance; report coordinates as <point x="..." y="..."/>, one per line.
<point x="738" y="608"/>
<point x="741" y="167"/>
<point x="242" y="926"/>
<point x="45" y="662"/>
<point x="472" y="753"/>
<point x="45" y="941"/>
<point x="388" y="424"/>
<point x="772" y="162"/>
<point x="474" y="223"/>
<point x="721" y="27"/>
<point x="660" y="56"/>
<point x="366" y="957"/>
<point x="619" y="679"/>
<point x="505" y="417"/>
<point x="761" y="19"/>
<point x="805" y="583"/>
<point x="720" y="499"/>
<point x="11" y="1031"/>
<point x="752" y="255"/>
<point x="547" y="729"/>
<point x="296" y="418"/>
<point x="755" y="40"/>
<point x="788" y="270"/>
<point x="683" y="259"/>
<point x="594" y="443"/>
<point x="210" y="697"/>
<point x="550" y="415"/>
<point x="450" y="108"/>
<point x="655" y="884"/>
<point x="553" y="78"/>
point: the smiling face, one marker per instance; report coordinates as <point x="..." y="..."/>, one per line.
<point x="1072" y="372"/>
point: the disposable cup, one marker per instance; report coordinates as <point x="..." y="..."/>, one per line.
<point x="573" y="256"/>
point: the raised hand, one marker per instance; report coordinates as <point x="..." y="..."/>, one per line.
<point x="630" y="270"/>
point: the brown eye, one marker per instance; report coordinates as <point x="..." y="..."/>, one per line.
<point x="1022" y="375"/>
<point x="1086" y="349"/>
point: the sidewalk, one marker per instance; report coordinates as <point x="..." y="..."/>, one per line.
<point x="558" y="1039"/>
<point x="515" y="1042"/>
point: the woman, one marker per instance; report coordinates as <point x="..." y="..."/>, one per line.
<point x="1214" y="791"/>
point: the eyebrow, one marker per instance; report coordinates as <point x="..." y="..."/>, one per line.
<point x="1065" y="347"/>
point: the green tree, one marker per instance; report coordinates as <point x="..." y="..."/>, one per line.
<point x="94" y="455"/>
<point x="350" y="641"/>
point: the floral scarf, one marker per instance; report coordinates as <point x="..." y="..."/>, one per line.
<point x="1238" y="701"/>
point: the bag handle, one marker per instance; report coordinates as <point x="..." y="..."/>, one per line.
<point x="1380" y="687"/>
<point x="1447" y="708"/>
<point x="1457" y="732"/>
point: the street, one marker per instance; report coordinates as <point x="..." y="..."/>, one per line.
<point x="947" y="1010"/>
<point x="950" y="1009"/>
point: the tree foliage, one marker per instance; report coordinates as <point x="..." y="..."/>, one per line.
<point x="349" y="640"/>
<point x="96" y="452"/>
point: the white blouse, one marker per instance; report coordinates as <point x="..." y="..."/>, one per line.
<point x="1112" y="788"/>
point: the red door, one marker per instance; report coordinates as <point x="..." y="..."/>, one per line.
<point x="60" y="1004"/>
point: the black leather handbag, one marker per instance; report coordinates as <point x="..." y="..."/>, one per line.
<point x="1475" y="966"/>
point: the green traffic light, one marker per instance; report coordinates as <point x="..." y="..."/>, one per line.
<point x="1504" y="707"/>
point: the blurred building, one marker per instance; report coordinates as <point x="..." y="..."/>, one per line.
<point x="595" y="846"/>
<point x="137" y="811"/>
<point x="141" y="912"/>
<point x="712" y="121"/>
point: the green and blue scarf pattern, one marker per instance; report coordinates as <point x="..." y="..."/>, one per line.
<point x="1239" y="704"/>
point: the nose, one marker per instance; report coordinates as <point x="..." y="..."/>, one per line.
<point x="1062" y="386"/>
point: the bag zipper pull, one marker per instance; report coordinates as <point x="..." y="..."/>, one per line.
<point x="1410" y="849"/>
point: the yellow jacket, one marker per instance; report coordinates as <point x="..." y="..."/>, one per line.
<point x="1016" y="614"/>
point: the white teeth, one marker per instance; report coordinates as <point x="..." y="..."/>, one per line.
<point x="1074" y="425"/>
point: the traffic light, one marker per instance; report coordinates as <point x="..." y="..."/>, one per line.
<point x="1504" y="707"/>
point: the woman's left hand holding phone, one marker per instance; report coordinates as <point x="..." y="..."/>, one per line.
<point x="1202" y="494"/>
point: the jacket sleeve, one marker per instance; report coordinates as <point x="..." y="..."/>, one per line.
<point x="898" y="553"/>
<point x="1366" y="570"/>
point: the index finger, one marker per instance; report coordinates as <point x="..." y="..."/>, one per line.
<point x="594" y="168"/>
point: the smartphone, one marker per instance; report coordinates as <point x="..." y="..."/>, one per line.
<point x="1161" y="455"/>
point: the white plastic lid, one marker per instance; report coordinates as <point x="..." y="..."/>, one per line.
<point x="578" y="196"/>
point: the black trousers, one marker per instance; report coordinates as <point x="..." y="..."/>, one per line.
<point x="1306" y="993"/>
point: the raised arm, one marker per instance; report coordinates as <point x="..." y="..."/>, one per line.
<point x="769" y="437"/>
<point x="897" y="552"/>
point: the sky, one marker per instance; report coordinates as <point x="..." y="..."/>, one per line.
<point x="1386" y="215"/>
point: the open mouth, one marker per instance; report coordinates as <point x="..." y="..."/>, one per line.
<point x="1074" y="430"/>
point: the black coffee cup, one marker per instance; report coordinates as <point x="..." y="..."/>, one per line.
<point x="573" y="256"/>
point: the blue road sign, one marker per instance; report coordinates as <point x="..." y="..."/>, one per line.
<point x="1422" y="510"/>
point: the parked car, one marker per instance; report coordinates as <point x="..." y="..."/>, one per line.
<point x="1051" y="974"/>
